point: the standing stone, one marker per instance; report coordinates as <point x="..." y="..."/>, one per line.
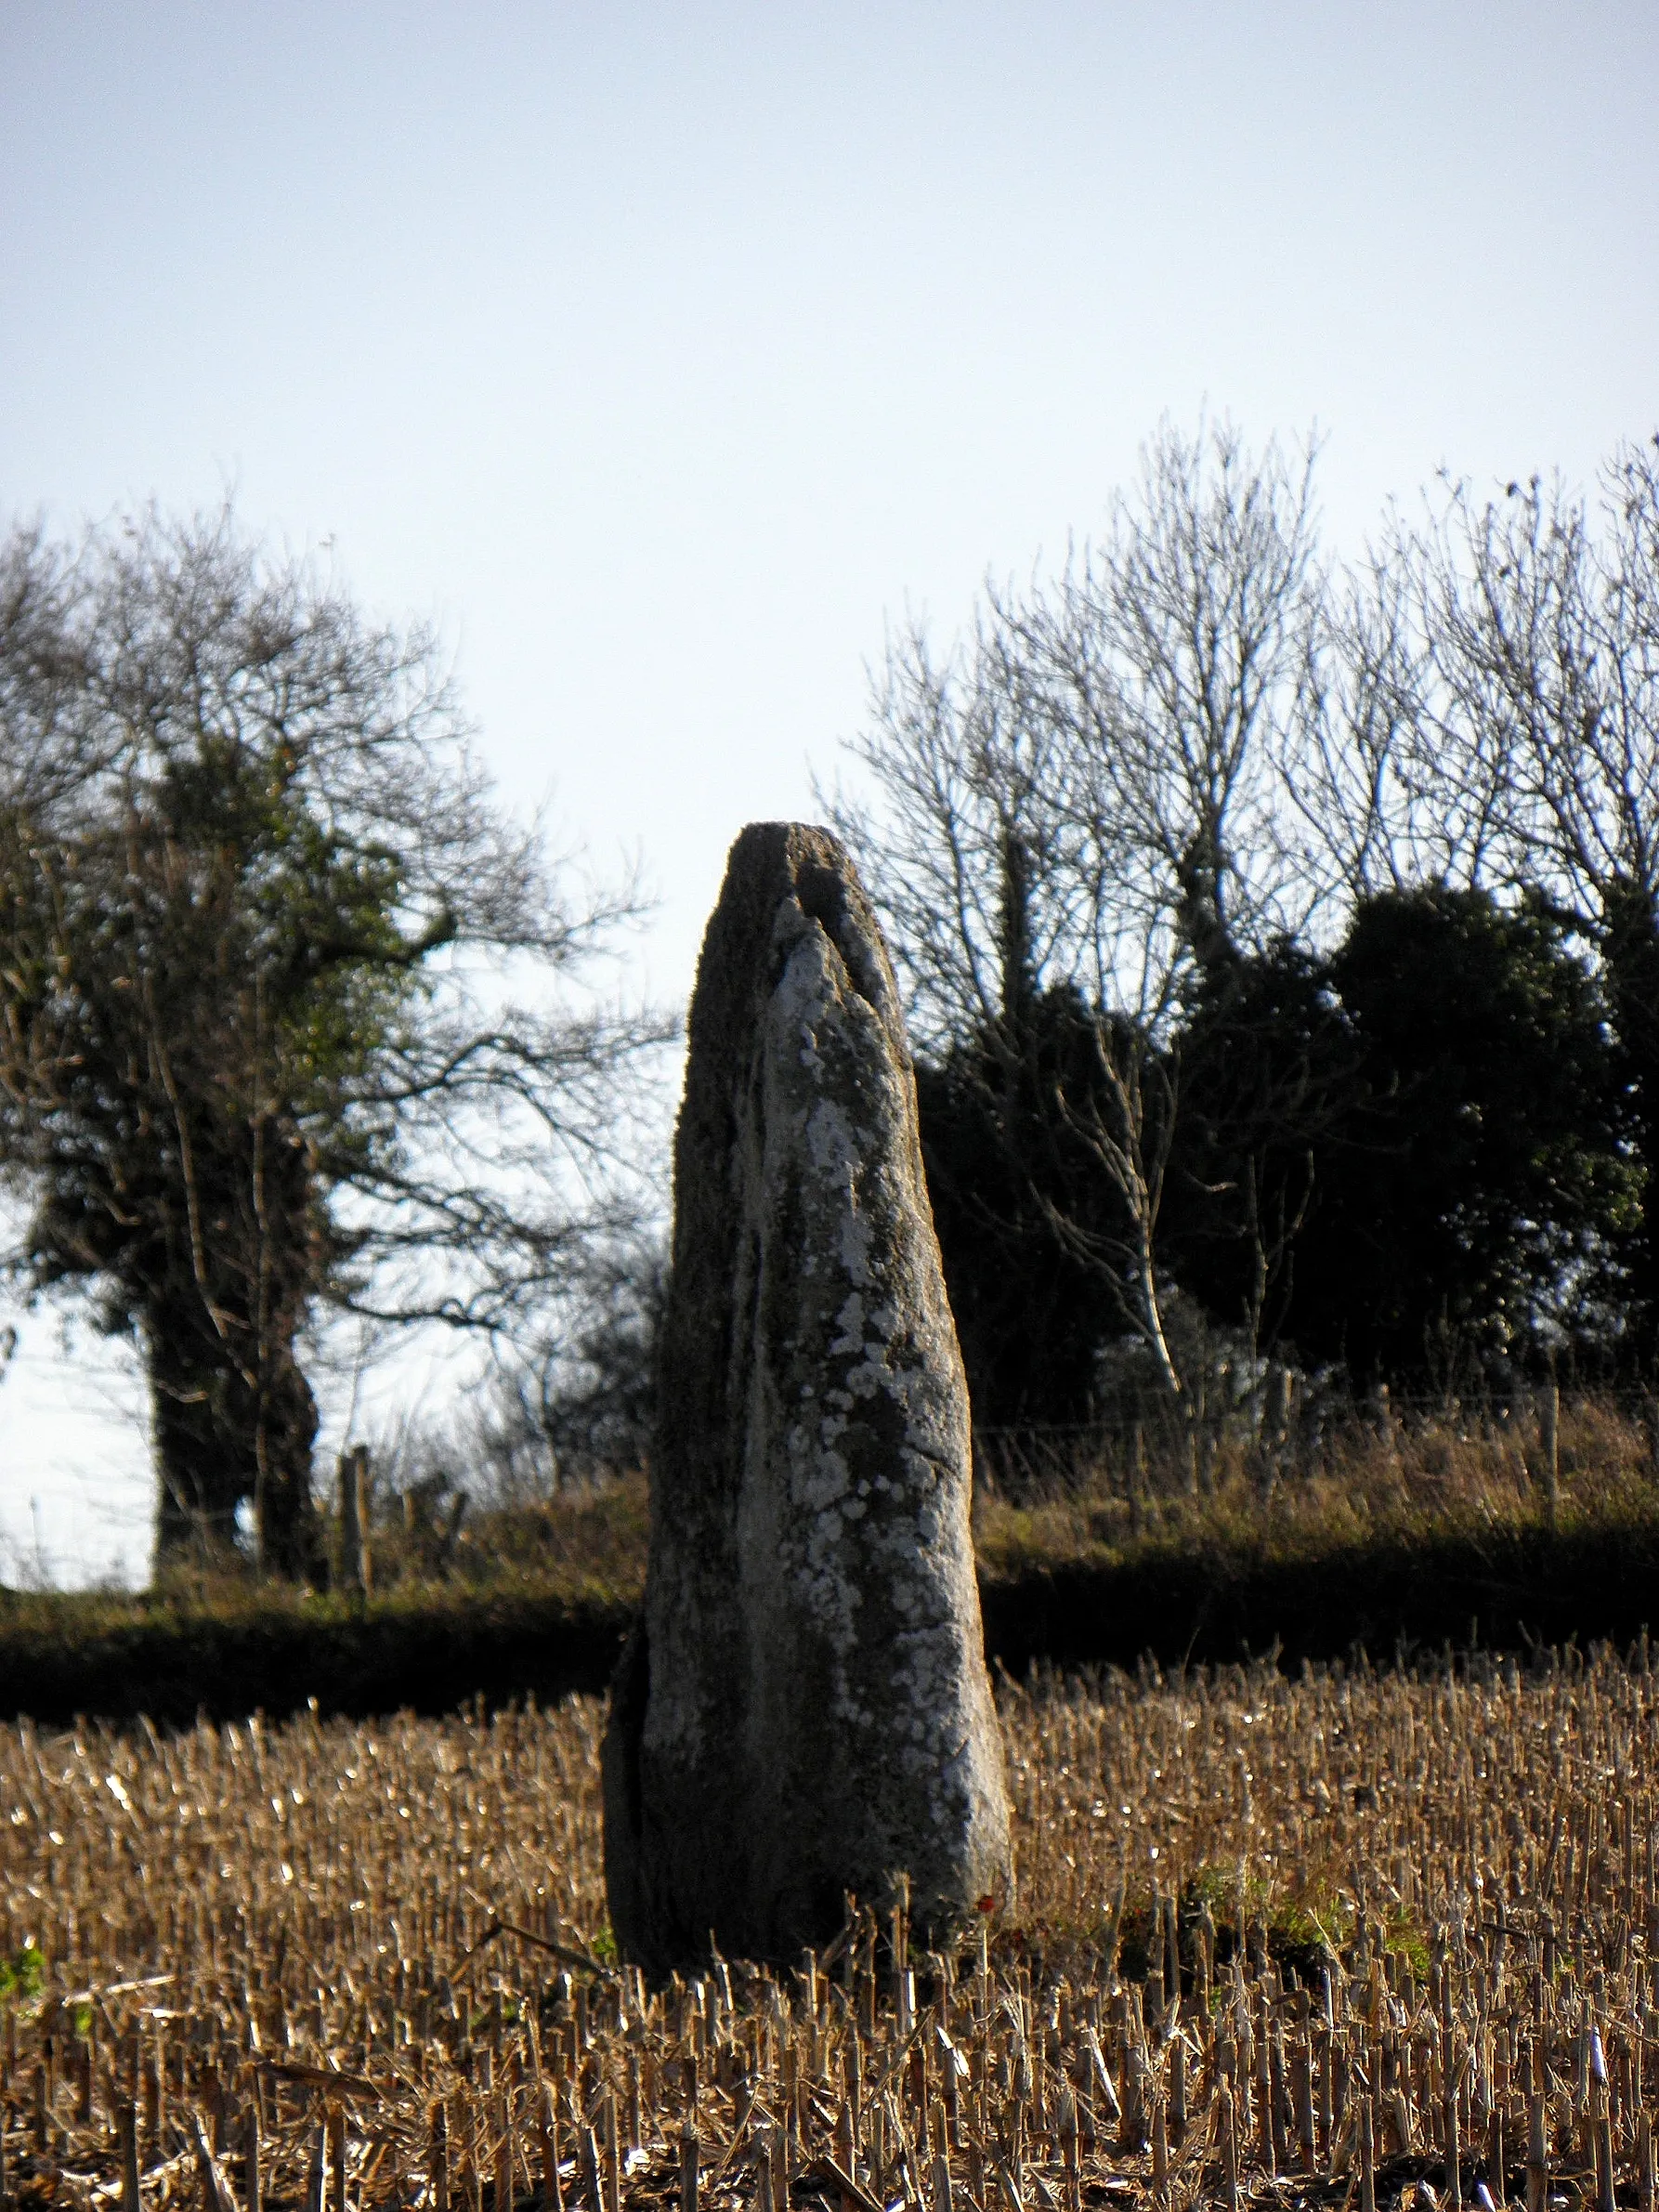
<point x="802" y="1708"/>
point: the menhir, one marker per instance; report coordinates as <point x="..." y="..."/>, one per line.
<point x="803" y="1709"/>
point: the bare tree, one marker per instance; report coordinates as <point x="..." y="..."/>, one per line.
<point x="1090" y="791"/>
<point x="1541" y="721"/>
<point x="978" y="842"/>
<point x="577" y="1396"/>
<point x="1533" y="755"/>
<point x="257" y="1047"/>
<point x="1183" y="655"/>
<point x="1365" y="825"/>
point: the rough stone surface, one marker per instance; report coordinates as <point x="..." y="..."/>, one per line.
<point x="802" y="1708"/>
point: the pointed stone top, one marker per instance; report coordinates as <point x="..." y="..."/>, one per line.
<point x="803" y="1708"/>
<point x="781" y="877"/>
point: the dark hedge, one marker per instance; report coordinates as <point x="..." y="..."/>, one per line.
<point x="1519" y="1591"/>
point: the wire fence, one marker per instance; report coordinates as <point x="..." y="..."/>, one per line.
<point x="1291" y="1431"/>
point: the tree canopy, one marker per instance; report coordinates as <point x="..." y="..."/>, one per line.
<point x="1349" y="876"/>
<point x="256" y="1050"/>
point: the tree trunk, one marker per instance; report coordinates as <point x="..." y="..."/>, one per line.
<point x="222" y="1443"/>
<point x="201" y="1476"/>
<point x="289" y="1537"/>
<point x="235" y="1419"/>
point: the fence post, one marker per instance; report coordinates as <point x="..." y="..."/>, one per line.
<point x="356" y="1569"/>
<point x="1549" y="1450"/>
<point x="1388" y="1428"/>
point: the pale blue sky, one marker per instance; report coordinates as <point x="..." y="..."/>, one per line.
<point x="661" y="353"/>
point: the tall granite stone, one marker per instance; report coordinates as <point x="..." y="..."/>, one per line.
<point x="802" y="1708"/>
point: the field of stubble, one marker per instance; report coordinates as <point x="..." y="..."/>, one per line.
<point x="1347" y="1940"/>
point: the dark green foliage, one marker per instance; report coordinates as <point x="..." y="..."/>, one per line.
<point x="1513" y="1589"/>
<point x="1629" y="950"/>
<point x="1267" y="1069"/>
<point x="236" y="822"/>
<point x="203" y="960"/>
<point x="1005" y="1170"/>
<point x="428" y="1656"/>
<point x="1410" y="1158"/>
<point x="1476" y="1182"/>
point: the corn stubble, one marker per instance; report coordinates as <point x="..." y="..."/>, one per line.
<point x="1355" y="1940"/>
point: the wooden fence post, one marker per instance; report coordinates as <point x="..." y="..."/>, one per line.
<point x="356" y="1569"/>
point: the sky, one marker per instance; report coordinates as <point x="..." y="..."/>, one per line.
<point x="663" y="357"/>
